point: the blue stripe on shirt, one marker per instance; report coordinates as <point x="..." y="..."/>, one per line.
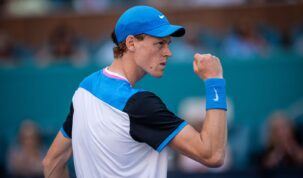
<point x="171" y="136"/>
<point x="64" y="133"/>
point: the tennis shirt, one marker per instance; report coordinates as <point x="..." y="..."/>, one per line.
<point x="118" y="130"/>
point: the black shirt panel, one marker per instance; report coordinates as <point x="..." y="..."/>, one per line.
<point x="68" y="124"/>
<point x="150" y="120"/>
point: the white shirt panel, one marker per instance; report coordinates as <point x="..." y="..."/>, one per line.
<point x="102" y="146"/>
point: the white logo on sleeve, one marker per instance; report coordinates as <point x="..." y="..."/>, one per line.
<point x="216" y="95"/>
<point x="161" y="16"/>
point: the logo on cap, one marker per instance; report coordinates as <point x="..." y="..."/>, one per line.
<point x="161" y="16"/>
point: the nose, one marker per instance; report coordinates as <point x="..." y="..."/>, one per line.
<point x="166" y="51"/>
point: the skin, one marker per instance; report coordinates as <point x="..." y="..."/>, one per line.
<point x="207" y="146"/>
<point x="149" y="56"/>
<point x="55" y="161"/>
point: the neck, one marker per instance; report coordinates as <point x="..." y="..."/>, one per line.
<point x="126" y="67"/>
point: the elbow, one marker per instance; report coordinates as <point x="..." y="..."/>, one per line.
<point x="213" y="160"/>
<point x="216" y="161"/>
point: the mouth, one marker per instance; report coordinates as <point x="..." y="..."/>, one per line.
<point x="163" y="64"/>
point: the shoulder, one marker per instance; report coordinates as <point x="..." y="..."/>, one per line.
<point x="145" y="102"/>
<point x="88" y="81"/>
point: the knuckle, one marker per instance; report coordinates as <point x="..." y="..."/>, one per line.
<point x="209" y="56"/>
<point x="197" y="55"/>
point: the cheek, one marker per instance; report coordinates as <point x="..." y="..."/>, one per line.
<point x="153" y="63"/>
<point x="149" y="60"/>
<point x="154" y="58"/>
<point x="143" y="60"/>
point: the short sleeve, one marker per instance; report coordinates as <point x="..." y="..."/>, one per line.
<point x="150" y="120"/>
<point x="67" y="126"/>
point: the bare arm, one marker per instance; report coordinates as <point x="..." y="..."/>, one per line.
<point x="55" y="162"/>
<point x="208" y="146"/>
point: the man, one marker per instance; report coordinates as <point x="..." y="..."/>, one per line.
<point x="116" y="130"/>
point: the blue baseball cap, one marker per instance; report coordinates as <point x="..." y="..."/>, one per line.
<point x="145" y="20"/>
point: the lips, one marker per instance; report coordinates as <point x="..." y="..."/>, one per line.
<point x="163" y="64"/>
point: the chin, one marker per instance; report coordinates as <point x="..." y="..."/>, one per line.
<point x="157" y="75"/>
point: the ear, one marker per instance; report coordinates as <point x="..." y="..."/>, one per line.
<point x="130" y="42"/>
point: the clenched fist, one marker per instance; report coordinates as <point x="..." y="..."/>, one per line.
<point x="207" y="66"/>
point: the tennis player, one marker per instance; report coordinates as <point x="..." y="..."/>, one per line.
<point x="116" y="130"/>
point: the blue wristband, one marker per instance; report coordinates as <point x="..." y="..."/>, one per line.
<point x="215" y="94"/>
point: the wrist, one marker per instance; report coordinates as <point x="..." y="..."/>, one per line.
<point x="211" y="77"/>
<point x="215" y="93"/>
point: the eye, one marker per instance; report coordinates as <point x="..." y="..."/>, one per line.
<point x="159" y="44"/>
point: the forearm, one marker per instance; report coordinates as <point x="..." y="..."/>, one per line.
<point x="214" y="131"/>
<point x="56" y="168"/>
<point x="54" y="171"/>
<point x="214" y="134"/>
<point x="55" y="162"/>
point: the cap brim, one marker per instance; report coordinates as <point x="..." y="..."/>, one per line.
<point x="167" y="30"/>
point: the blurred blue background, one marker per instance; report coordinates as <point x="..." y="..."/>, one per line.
<point x="48" y="46"/>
